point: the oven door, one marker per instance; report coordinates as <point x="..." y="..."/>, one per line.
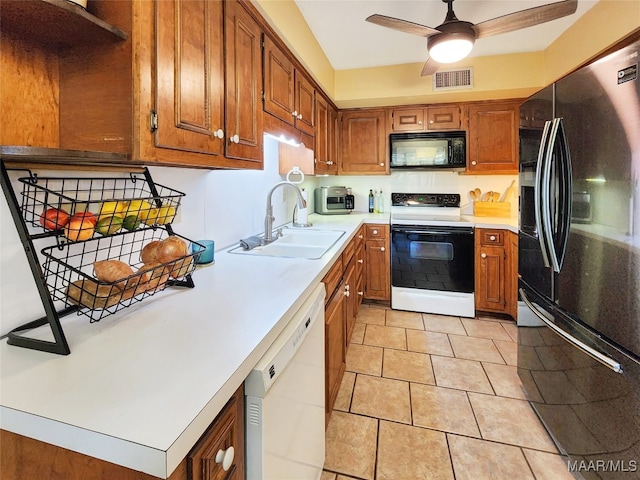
<point x="432" y="258"/>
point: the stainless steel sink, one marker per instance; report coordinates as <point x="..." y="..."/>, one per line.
<point x="296" y="243"/>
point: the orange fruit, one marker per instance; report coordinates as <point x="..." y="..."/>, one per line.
<point x="79" y="230"/>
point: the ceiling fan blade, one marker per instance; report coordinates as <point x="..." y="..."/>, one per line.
<point x="402" y="25"/>
<point x="430" y="67"/>
<point x="525" y="18"/>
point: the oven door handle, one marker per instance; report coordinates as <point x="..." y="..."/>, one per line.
<point x="433" y="232"/>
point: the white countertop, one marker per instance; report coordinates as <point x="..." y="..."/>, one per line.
<point x="141" y="386"/>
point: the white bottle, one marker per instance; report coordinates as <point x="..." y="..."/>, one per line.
<point x="376" y="202"/>
<point x="381" y="202"/>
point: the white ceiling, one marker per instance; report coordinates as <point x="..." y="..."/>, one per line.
<point x="351" y="42"/>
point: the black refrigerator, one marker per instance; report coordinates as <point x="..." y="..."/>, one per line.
<point x="579" y="263"/>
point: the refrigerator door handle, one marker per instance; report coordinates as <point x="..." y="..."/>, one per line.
<point x="541" y="193"/>
<point x="566" y="195"/>
<point x="600" y="357"/>
<point x="557" y="251"/>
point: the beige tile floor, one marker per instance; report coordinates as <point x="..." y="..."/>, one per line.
<point x="435" y="397"/>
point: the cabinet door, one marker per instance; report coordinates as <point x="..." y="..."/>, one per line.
<point x="493" y="138"/>
<point x="278" y="82"/>
<point x="189" y="76"/>
<point x="363" y="141"/>
<point x="332" y="141"/>
<point x="491" y="270"/>
<point x="377" y="261"/>
<point x="444" y="118"/>
<point x="407" y="119"/>
<point x="222" y="443"/>
<point x="322" y="135"/>
<point x="335" y="352"/>
<point x="350" y="291"/>
<point x="305" y="99"/>
<point x="243" y="61"/>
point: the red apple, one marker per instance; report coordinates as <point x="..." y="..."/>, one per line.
<point x="85" y="216"/>
<point x="54" y="219"/>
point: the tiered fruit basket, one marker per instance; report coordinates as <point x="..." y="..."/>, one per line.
<point x="109" y="244"/>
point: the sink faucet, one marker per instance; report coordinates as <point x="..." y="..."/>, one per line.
<point x="269" y="218"/>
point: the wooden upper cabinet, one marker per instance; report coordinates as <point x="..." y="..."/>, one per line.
<point x="325" y="138"/>
<point x="243" y="85"/>
<point x="189" y="76"/>
<point x="305" y="100"/>
<point x="493" y="138"/>
<point x="363" y="142"/>
<point x="288" y="93"/>
<point x="279" y="82"/>
<point x="447" y="117"/>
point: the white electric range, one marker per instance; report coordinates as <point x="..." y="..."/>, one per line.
<point x="432" y="255"/>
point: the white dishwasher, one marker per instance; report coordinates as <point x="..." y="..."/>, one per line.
<point x="285" y="400"/>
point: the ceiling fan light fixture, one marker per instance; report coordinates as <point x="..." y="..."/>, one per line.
<point x="450" y="47"/>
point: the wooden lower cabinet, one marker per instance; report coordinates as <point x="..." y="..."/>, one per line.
<point x="496" y="271"/>
<point x="25" y="458"/>
<point x="335" y="350"/>
<point x="378" y="262"/>
<point x="344" y="285"/>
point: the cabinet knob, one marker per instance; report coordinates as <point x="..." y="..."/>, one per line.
<point x="347" y="288"/>
<point x="346" y="293"/>
<point x="329" y="162"/>
<point x="483" y="255"/>
<point x="474" y="162"/>
<point x="431" y="122"/>
<point x="225" y="458"/>
<point x="382" y="249"/>
<point x="361" y="294"/>
<point x="492" y="238"/>
<point x="219" y="133"/>
<point x="360" y="237"/>
<point x="234" y="139"/>
<point x="361" y="261"/>
<point x="375" y="232"/>
<point x="419" y="122"/>
<point x="382" y="164"/>
<point x="300" y="117"/>
<point x="294" y="113"/>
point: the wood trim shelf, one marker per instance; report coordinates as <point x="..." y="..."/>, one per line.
<point x="32" y="19"/>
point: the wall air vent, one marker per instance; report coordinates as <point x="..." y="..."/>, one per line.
<point x="453" y="79"/>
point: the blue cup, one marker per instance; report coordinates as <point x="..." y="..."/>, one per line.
<point x="206" y="255"/>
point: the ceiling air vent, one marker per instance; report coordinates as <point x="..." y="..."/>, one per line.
<point x="453" y="79"/>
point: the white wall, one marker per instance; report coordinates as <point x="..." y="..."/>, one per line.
<point x="419" y="181"/>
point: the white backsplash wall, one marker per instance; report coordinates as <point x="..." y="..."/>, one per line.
<point x="420" y="181"/>
<point x="222" y="205"/>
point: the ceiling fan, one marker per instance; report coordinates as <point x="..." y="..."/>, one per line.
<point x="454" y="39"/>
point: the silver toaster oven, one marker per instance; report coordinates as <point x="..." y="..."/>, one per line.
<point x="331" y="200"/>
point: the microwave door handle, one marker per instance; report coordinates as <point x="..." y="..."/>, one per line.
<point x="593" y="353"/>
<point x="539" y="193"/>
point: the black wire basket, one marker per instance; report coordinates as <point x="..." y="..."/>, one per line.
<point x="72" y="274"/>
<point x="108" y="204"/>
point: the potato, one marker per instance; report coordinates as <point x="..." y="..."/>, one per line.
<point x="171" y="248"/>
<point x="149" y="252"/>
<point x="113" y="271"/>
<point x="89" y="293"/>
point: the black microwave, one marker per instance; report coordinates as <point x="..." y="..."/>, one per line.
<point x="428" y="150"/>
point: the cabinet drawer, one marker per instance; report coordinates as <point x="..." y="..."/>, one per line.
<point x="332" y="278"/>
<point x="347" y="253"/>
<point x="377" y="232"/>
<point x="491" y="237"/>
